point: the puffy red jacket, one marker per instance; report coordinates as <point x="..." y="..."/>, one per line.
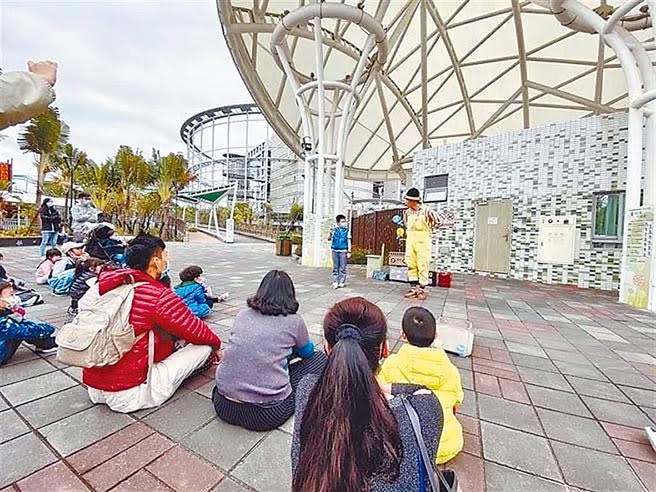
<point x="155" y="307"/>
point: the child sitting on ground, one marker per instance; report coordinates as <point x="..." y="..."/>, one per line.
<point x="14" y="328"/>
<point x="195" y="294"/>
<point x="417" y="362"/>
<point x="44" y="270"/>
<point x="85" y="276"/>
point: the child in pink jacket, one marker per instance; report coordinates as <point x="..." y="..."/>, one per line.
<point x="44" y="270"/>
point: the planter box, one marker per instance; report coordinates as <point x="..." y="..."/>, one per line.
<point x="6" y="242"/>
<point x="283" y="247"/>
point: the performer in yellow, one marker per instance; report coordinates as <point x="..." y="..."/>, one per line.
<point x="420" y="221"/>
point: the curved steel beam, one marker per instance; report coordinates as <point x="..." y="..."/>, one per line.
<point x="448" y="44"/>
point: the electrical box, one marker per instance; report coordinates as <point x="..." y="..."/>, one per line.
<point x="557" y="239"/>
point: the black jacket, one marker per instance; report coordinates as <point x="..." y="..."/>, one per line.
<point x="50" y="219"/>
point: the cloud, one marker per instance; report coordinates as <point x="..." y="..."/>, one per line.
<point x="131" y="72"/>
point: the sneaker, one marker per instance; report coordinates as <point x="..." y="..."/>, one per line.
<point x="339" y="286"/>
<point x="335" y="285"/>
<point x="46" y="351"/>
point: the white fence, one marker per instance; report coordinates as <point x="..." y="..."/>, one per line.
<point x="13" y="224"/>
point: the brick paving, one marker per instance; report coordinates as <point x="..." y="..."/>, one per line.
<point x="559" y="385"/>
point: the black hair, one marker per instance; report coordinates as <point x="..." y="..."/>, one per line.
<point x="103" y="232"/>
<point x="340" y="217"/>
<point x="347" y="408"/>
<point x="141" y="250"/>
<point x="43" y="206"/>
<point x="191" y="273"/>
<point x="419" y="326"/>
<point x="83" y="194"/>
<point x="275" y="296"/>
<point x="88" y="265"/>
<point x="52" y="252"/>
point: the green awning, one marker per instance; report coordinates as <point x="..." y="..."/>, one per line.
<point x="209" y="196"/>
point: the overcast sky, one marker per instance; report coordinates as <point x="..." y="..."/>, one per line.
<point x="130" y="72"/>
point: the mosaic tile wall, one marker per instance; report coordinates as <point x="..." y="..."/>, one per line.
<point x="552" y="170"/>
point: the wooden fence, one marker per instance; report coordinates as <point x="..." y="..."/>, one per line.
<point x="372" y="230"/>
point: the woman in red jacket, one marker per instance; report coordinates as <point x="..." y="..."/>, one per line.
<point x="126" y="385"/>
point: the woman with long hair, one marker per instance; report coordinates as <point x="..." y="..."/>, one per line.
<point x="350" y="433"/>
<point x="269" y="352"/>
<point x="50" y="225"/>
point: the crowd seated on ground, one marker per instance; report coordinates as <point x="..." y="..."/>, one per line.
<point x="270" y="369"/>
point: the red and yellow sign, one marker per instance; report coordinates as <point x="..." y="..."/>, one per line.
<point x="5" y="171"/>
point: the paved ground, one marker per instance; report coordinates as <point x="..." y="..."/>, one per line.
<point x="559" y="386"/>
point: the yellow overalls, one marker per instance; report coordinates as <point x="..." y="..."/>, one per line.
<point x="418" y="245"/>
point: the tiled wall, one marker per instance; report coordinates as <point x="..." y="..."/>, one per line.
<point x="553" y="170"/>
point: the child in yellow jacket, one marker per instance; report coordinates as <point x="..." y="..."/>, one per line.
<point x="419" y="363"/>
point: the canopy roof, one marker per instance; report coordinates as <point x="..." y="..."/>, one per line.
<point x="209" y="196"/>
<point x="491" y="66"/>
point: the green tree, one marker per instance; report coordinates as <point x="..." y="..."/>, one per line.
<point x="100" y="181"/>
<point x="132" y="173"/>
<point x="172" y="175"/>
<point x="69" y="162"/>
<point x="44" y="135"/>
<point x="295" y="215"/>
<point x="243" y="213"/>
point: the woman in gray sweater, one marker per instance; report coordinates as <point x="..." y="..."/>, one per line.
<point x="350" y="432"/>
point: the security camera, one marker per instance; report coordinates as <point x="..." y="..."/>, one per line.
<point x="306" y="144"/>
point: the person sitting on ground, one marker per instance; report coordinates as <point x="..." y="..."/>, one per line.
<point x="418" y="362"/>
<point x="44" y="270"/>
<point x="195" y="294"/>
<point x="85" y="276"/>
<point x="256" y="381"/>
<point x="15" y="328"/>
<point x="24" y="95"/>
<point x="84" y="216"/>
<point x="63" y="271"/>
<point x="157" y="310"/>
<point x="350" y="431"/>
<point x="72" y="254"/>
<point x="105" y="243"/>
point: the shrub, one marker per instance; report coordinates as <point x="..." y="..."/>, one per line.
<point x="359" y="256"/>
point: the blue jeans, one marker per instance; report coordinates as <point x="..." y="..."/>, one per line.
<point x="339" y="267"/>
<point x="48" y="238"/>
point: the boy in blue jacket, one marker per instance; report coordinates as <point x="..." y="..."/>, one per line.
<point x="340" y="244"/>
<point x="195" y="294"/>
<point x="15" y="328"/>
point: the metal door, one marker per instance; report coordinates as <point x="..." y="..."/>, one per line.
<point x="492" y="236"/>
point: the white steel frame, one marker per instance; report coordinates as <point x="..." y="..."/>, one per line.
<point x="323" y="140"/>
<point x="243" y="24"/>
